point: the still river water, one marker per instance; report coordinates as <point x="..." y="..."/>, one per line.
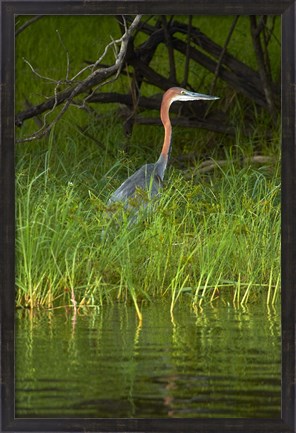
<point x="216" y="362"/>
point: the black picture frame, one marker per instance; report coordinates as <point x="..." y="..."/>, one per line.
<point x="285" y="8"/>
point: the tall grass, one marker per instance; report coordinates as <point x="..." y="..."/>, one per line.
<point x="216" y="235"/>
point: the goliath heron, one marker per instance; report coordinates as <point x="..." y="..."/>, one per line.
<point x="150" y="176"/>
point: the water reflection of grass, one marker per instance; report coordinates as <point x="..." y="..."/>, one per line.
<point x="224" y="362"/>
<point x="207" y="236"/>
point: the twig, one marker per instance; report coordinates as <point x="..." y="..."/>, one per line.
<point x="265" y="49"/>
<point x="91" y="137"/>
<point x="67" y="55"/>
<point x="42" y="77"/>
<point x="264" y="75"/>
<point x="219" y="63"/>
<point x="270" y="32"/>
<point x="170" y="48"/>
<point x="27" y="24"/>
<point x="187" y="57"/>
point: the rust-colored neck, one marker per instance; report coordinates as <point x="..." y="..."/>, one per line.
<point x="164" y="115"/>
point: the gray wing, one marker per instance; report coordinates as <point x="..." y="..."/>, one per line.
<point x="146" y="179"/>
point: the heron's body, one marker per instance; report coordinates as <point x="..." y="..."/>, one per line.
<point x="150" y="176"/>
<point x="146" y="178"/>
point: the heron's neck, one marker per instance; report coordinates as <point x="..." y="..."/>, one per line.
<point x="165" y="152"/>
<point x="167" y="130"/>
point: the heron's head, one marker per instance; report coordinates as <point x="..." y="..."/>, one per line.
<point x="178" y="94"/>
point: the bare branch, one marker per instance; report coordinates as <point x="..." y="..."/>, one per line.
<point x="97" y="77"/>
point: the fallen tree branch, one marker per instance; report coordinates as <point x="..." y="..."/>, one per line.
<point x="210" y="165"/>
<point x="236" y="73"/>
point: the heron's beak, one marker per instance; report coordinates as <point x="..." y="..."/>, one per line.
<point x="191" y="96"/>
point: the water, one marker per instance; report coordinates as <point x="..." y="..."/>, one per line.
<point x="218" y="362"/>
